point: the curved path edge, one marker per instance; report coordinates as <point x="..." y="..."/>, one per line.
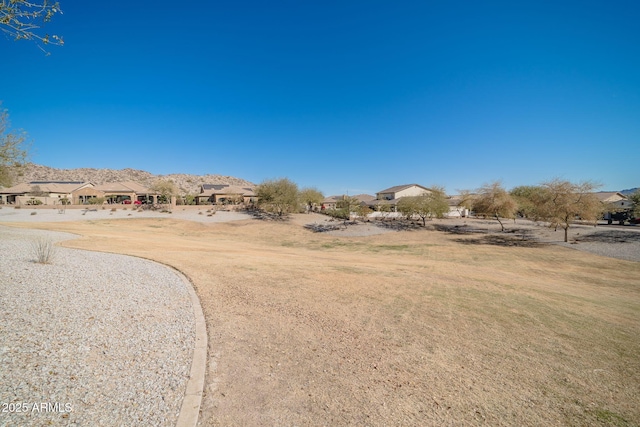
<point x="192" y="400"/>
<point x="190" y="410"/>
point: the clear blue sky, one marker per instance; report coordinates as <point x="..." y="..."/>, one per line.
<point x="348" y="96"/>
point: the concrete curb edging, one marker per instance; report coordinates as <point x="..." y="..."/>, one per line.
<point x="190" y="410"/>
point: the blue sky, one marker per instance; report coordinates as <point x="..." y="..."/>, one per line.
<point x="347" y="96"/>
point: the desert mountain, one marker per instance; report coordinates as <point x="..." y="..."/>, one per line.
<point x="188" y="184"/>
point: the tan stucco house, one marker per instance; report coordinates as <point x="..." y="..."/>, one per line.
<point x="614" y="199"/>
<point x="225" y="194"/>
<point x="119" y="192"/>
<point x="48" y="192"/>
<point x="392" y="195"/>
<point x="331" y="202"/>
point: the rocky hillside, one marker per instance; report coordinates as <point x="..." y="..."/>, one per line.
<point x="188" y="184"/>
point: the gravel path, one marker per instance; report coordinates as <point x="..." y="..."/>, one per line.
<point x="612" y="243"/>
<point x="200" y="214"/>
<point x="92" y="339"/>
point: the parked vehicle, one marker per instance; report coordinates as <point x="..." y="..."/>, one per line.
<point x="620" y="217"/>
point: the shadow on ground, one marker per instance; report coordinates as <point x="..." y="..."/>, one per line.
<point x="613" y="236"/>
<point x="268" y="216"/>
<point x="458" y="229"/>
<point x="399" y="225"/>
<point x="503" y="240"/>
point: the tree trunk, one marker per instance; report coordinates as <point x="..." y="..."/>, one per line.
<point x="501" y="225"/>
<point x="566" y="234"/>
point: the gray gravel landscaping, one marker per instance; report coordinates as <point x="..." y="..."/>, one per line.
<point x="91" y="339"/>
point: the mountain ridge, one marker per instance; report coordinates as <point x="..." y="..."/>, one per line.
<point x="186" y="183"/>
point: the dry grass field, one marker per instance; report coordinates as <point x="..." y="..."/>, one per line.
<point x="404" y="328"/>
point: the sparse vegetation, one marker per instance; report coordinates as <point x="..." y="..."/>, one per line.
<point x="96" y="200"/>
<point x="635" y="199"/>
<point x="279" y="196"/>
<point x="310" y="197"/>
<point x="13" y="148"/>
<point x="428" y="205"/>
<point x="396" y="317"/>
<point x="562" y="202"/>
<point x="166" y="190"/>
<point x="43" y="250"/>
<point x="493" y="201"/>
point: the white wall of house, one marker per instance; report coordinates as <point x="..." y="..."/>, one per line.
<point x="620" y="204"/>
<point x="457" y="212"/>
<point x="385" y="215"/>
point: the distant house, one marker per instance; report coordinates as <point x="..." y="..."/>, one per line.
<point x="74" y="192"/>
<point x="399" y="191"/>
<point x="392" y="195"/>
<point x="455" y="209"/>
<point x="121" y="192"/>
<point x="331" y="202"/>
<point x="617" y="206"/>
<point x="48" y="192"/>
<point x="225" y="194"/>
<point x="364" y="199"/>
<point x="614" y="199"/>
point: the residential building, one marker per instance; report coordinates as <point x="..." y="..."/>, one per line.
<point x="48" y="192"/>
<point x="127" y="192"/>
<point x="392" y="195"/>
<point x="225" y="194"/>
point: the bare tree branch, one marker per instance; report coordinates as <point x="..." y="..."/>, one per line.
<point x="21" y="20"/>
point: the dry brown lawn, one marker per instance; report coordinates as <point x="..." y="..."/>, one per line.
<point x="406" y="328"/>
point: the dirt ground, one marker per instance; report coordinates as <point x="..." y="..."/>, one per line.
<point x="415" y="327"/>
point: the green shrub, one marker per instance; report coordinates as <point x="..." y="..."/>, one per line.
<point x="96" y="200"/>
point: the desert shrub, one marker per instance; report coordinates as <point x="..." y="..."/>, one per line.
<point x="33" y="213"/>
<point x="43" y="250"/>
<point x="337" y="213"/>
<point x="113" y="209"/>
<point x="34" y="202"/>
<point x="96" y="200"/>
